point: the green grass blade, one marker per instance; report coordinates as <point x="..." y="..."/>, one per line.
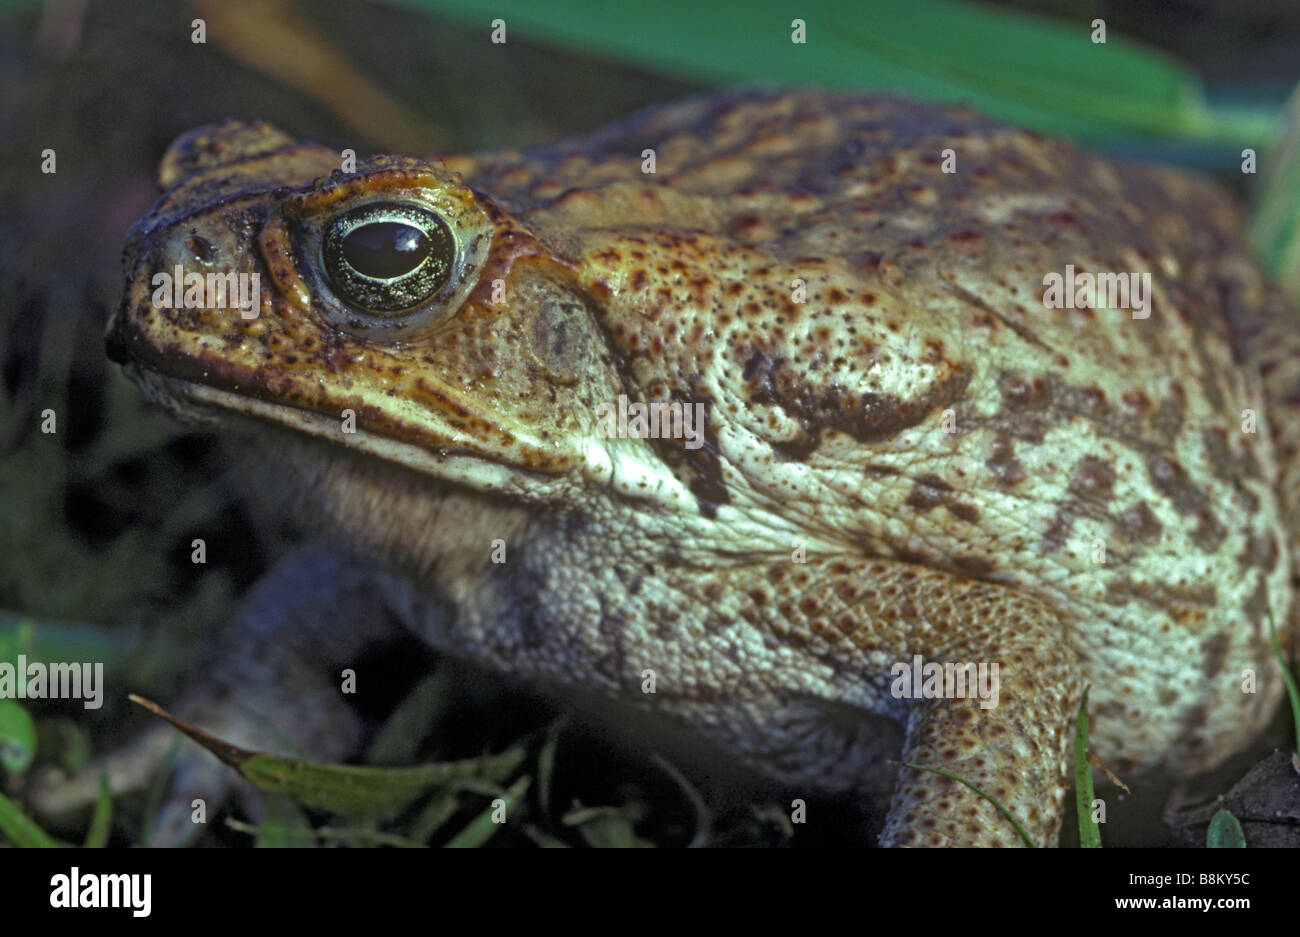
<point x="359" y="791"/>
<point x="546" y="768"/>
<point x="482" y="827"/>
<point x="703" y="819"/>
<point x="21" y="831"/>
<point x="607" y="828"/>
<point x="1042" y="73"/>
<point x="1275" y="213"/>
<point x="157" y="794"/>
<point x="398" y="739"/>
<point x="363" y="791"/>
<point x="101" y="821"/>
<point x="1089" y="830"/>
<point x="1292" y="691"/>
<point x="433" y="815"/>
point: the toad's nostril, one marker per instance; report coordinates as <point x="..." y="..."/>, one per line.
<point x="201" y="248"/>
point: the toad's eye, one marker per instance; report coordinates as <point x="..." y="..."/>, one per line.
<point x="387" y="256"/>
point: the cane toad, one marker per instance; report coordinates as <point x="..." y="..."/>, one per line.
<point x="907" y="449"/>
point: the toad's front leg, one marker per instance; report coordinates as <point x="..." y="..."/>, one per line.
<point x="1016" y="750"/>
<point x="834" y="630"/>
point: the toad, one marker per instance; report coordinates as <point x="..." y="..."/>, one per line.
<point x="747" y="410"/>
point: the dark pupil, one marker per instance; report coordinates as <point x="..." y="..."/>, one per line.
<point x="388" y="257"/>
<point x="385" y="249"/>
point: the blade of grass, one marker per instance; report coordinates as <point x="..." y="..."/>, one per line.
<point x="703" y="820"/>
<point x="482" y="827"/>
<point x="20" y="830"/>
<point x="1089" y="831"/>
<point x="433" y="815"/>
<point x="1292" y="691"/>
<point x="546" y="768"/>
<point x="607" y="828"/>
<point x="101" y="821"/>
<point x="1043" y="73"/>
<point x="398" y="739"/>
<point x="158" y="793"/>
<point x="1275" y="211"/>
<point x="348" y="790"/>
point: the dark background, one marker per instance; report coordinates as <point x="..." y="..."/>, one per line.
<point x="96" y="520"/>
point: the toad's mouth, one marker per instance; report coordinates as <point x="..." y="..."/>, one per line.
<point x="211" y="407"/>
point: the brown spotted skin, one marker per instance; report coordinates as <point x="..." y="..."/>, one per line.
<point x="949" y="453"/>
